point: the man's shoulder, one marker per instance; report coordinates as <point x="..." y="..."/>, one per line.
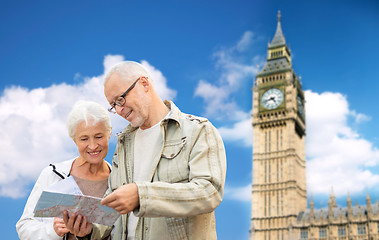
<point x="193" y="118"/>
<point x="184" y="118"/>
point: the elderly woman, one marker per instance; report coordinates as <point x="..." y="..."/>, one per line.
<point x="89" y="126"/>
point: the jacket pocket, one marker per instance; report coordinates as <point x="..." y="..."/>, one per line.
<point x="173" y="166"/>
<point x="114" y="177"/>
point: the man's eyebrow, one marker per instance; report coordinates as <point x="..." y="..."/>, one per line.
<point x="114" y="100"/>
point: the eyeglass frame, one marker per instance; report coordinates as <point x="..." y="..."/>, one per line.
<point x="117" y="102"/>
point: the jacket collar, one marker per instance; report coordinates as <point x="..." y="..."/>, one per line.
<point x="174" y="115"/>
<point x="63" y="168"/>
<point x="174" y="112"/>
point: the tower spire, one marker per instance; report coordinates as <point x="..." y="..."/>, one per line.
<point x="278" y="56"/>
<point x="278" y="39"/>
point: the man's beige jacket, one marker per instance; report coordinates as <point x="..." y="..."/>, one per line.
<point x="187" y="181"/>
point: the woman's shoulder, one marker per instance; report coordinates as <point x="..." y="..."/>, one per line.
<point x="62" y="169"/>
<point x="63" y="165"/>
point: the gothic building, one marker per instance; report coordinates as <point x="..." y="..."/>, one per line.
<point x="279" y="195"/>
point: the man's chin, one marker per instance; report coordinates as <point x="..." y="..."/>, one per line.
<point x="134" y="124"/>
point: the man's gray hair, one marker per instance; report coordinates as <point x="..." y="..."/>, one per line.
<point x="129" y="71"/>
<point x="88" y="112"/>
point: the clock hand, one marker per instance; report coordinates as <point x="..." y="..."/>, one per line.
<point x="269" y="99"/>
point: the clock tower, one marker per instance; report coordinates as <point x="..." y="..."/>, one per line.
<point x="278" y="119"/>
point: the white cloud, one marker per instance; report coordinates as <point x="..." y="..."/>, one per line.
<point x="233" y="72"/>
<point x="34" y="125"/>
<point x="337" y="156"/>
<point x="241" y="131"/>
<point x="359" y="117"/>
<point x="238" y="193"/>
<point x="110" y="61"/>
<point x="219" y="96"/>
<point x="245" y="41"/>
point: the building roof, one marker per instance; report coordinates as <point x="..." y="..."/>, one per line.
<point x="276" y="65"/>
<point x="323" y="213"/>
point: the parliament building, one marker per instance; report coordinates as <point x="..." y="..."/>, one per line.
<point x="279" y="194"/>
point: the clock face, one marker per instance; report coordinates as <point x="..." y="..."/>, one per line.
<point x="300" y="106"/>
<point x="272" y="98"/>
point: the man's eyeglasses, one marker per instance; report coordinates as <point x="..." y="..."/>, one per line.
<point x="120" y="101"/>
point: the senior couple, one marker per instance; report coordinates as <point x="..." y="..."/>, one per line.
<point x="167" y="175"/>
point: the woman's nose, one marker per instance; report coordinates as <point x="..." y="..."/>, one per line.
<point x="93" y="144"/>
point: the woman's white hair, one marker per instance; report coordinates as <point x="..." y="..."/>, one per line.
<point x="129" y="71"/>
<point x="88" y="112"/>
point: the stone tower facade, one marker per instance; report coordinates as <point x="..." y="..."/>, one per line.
<point x="279" y="166"/>
<point x="279" y="196"/>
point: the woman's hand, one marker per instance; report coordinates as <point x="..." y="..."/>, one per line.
<point x="77" y="225"/>
<point x="59" y="227"/>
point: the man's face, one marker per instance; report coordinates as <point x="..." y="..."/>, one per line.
<point x="133" y="109"/>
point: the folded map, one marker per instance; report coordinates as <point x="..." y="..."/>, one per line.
<point x="52" y="204"/>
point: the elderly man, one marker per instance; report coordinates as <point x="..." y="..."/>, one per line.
<point x="168" y="171"/>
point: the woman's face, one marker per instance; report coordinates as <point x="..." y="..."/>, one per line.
<point x="92" y="141"/>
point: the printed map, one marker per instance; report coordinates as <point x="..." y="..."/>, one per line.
<point x="52" y="204"/>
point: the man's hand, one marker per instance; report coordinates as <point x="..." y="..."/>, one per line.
<point x="59" y="227"/>
<point x="77" y="225"/>
<point x="124" y="199"/>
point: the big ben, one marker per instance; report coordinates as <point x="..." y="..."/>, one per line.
<point x="279" y="166"/>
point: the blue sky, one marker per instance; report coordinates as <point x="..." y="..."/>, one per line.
<point x="204" y="56"/>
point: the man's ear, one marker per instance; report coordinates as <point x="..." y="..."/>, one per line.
<point x="145" y="82"/>
<point x="110" y="133"/>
